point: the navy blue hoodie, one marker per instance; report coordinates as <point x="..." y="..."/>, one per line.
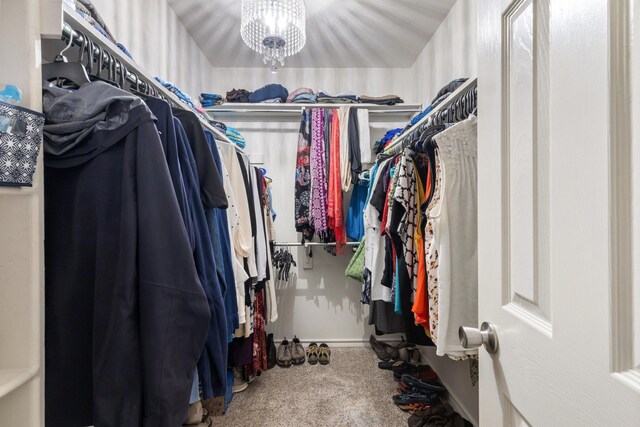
<point x="126" y="317"/>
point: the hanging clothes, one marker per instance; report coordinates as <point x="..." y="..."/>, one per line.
<point x="364" y="134"/>
<point x="218" y="222"/>
<point x="303" y="178"/>
<point x="318" y="173"/>
<point x="335" y="220"/>
<point x="343" y="140"/>
<point x="212" y="363"/>
<point x="355" y="212"/>
<point x="107" y="180"/>
<point x="458" y="246"/>
<point x="354" y="145"/>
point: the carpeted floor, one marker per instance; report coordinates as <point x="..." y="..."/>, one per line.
<point x="351" y="391"/>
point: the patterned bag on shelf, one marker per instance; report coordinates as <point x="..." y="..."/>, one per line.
<point x="20" y="139"/>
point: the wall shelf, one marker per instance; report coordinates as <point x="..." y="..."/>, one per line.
<point x="11" y="379"/>
<point x="244" y="112"/>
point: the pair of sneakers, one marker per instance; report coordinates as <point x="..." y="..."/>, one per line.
<point x="290" y="353"/>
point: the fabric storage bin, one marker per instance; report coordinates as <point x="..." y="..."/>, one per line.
<point x="20" y="139"/>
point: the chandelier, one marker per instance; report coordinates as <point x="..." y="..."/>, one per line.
<point x="274" y="28"/>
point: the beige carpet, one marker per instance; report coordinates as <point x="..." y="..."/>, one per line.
<point x="350" y="391"/>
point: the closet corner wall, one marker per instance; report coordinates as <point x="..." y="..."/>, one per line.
<point x="21" y="236"/>
<point x="451" y="53"/>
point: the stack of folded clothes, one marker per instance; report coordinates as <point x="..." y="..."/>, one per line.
<point x="273" y="93"/>
<point x="302" y="95"/>
<point x="340" y="98"/>
<point x="381" y="100"/>
<point x="180" y="94"/>
<point x="238" y="95"/>
<point x="235" y="137"/>
<point x="210" y="99"/>
<point x="386" y="139"/>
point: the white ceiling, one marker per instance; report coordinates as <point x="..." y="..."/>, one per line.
<point x="340" y="33"/>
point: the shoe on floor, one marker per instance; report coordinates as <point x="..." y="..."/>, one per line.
<point x="423" y="385"/>
<point x="385" y="365"/>
<point x="312" y="353"/>
<point x="284" y="357"/>
<point x="239" y="384"/>
<point x="324" y="354"/>
<point x="423" y="374"/>
<point x="415" y="397"/>
<point x="271" y="352"/>
<point x="213" y="407"/>
<point x="415" y="408"/>
<point x="384" y="351"/>
<point x="297" y="352"/>
<point x="194" y="414"/>
<point x="420" y="419"/>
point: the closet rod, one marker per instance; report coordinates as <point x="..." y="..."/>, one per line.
<point x="142" y="84"/>
<point x="312" y="244"/>
<point x="465" y="87"/>
<point x="300" y="110"/>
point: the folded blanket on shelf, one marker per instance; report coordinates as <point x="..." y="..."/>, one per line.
<point x="238" y="95"/>
<point x="269" y="91"/>
<point x="300" y="91"/>
<point x="305" y="98"/>
<point x="340" y="98"/>
<point x="381" y="100"/>
<point x="210" y="99"/>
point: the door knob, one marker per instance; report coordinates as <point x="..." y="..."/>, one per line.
<point x="474" y="338"/>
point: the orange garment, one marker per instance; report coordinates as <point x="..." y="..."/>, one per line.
<point x="335" y="218"/>
<point x="421" y="299"/>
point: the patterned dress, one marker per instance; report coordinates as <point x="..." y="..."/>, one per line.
<point x="303" y="179"/>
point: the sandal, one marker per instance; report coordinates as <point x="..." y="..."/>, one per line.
<point x="414" y="408"/>
<point x="408" y="398"/>
<point x="421" y="419"/>
<point x="423" y="385"/>
<point x="312" y="353"/>
<point x="324" y="354"/>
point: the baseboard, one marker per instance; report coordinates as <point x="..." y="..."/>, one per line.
<point x="345" y="342"/>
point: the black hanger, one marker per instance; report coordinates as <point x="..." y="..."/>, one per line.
<point x="110" y="66"/>
<point x="427" y="143"/>
<point x="65" y="72"/>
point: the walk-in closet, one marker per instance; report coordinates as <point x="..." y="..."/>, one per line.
<point x="277" y="213"/>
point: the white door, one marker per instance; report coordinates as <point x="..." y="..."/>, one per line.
<point x="559" y="213"/>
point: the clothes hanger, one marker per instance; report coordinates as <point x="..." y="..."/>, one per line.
<point x="65" y="72"/>
<point x="110" y="66"/>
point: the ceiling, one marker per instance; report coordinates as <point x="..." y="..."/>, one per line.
<point x="340" y="33"/>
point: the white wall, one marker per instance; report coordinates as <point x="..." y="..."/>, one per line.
<point x="158" y="41"/>
<point x="451" y="53"/>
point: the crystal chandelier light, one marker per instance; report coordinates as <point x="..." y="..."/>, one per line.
<point x="274" y="28"/>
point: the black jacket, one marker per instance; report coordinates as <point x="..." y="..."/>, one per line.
<point x="125" y="314"/>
